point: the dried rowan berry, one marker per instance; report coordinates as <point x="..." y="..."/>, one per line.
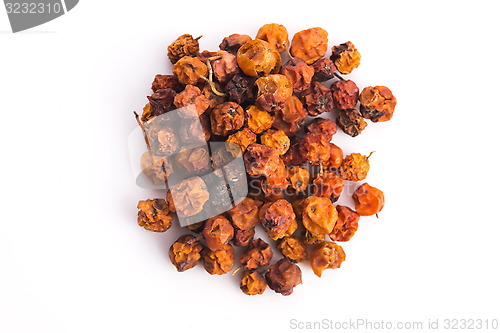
<point x="355" y="167"/>
<point x="273" y="91"/>
<point x="351" y="122"/>
<point x="318" y="99"/>
<point x="225" y="67"/>
<point x="326" y="255"/>
<point x="299" y="178"/>
<point x="323" y="126"/>
<point x="195" y="130"/>
<point x="193" y="102"/>
<point x="346" y="57"/>
<point x="185" y="252"/>
<point x="310" y="238"/>
<point x="328" y="185"/>
<point x="368" y="200"/>
<point x="245" y="215"/>
<point x="346" y="226"/>
<point x="193" y="161"/>
<point x="275" y="34"/>
<point x="270" y="193"/>
<point x="276" y="181"/>
<point x="239" y="141"/>
<point x="190" y="70"/>
<point x="319" y="215"/>
<point x="258" y="120"/>
<point x="189" y="196"/>
<point x="233" y="42"/>
<point x="243" y="237"/>
<point x="345" y="94"/>
<point x="315" y="148"/>
<point x="217" y="232"/>
<point x="240" y="88"/>
<point x="184" y="45"/>
<point x="154" y="215"/>
<point x="377" y="103"/>
<point x="283" y="276"/>
<point x="213" y="98"/>
<point x="257" y="254"/>
<point x="278" y="235"/>
<point x="156" y="168"/>
<point x="163" y="140"/>
<point x="147" y="113"/>
<point x="336" y="157"/>
<point x="324" y="70"/>
<point x="291" y="117"/>
<point x="161" y="101"/>
<point x="294" y="155"/>
<point x="218" y="262"/>
<point x="277" y="216"/>
<point x="206" y="55"/>
<point x="261" y="160"/>
<point x="310" y="44"/>
<point x="298" y="73"/>
<point x="227" y="118"/>
<point x="292" y="248"/>
<point x="258" y="57"/>
<point x="252" y="283"/>
<point x="276" y="139"/>
<point x="166" y="81"/>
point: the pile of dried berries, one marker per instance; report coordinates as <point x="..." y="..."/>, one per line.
<point x="254" y="97"/>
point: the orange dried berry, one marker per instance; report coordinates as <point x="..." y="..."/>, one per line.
<point x="276" y="139"/>
<point x="309" y="238"/>
<point x="336" y="157"/>
<point x="316" y="148"/>
<point x="239" y="141"/>
<point x="279" y="235"/>
<point x="258" y="58"/>
<point x="252" y="283"/>
<point x="326" y="255"/>
<point x="219" y="262"/>
<point x="190" y="70"/>
<point x="257" y="254"/>
<point x="233" y="42"/>
<point x="355" y="167"/>
<point x="277" y="216"/>
<point x="309" y="45"/>
<point x="185" y="252"/>
<point x="147" y="113"/>
<point x="189" y="196"/>
<point x="377" y="103"/>
<point x="319" y="215"/>
<point x="156" y="168"/>
<point x="261" y="160"/>
<point x="217" y="232"/>
<point x="245" y="215"/>
<point x="292" y="248"/>
<point x="346" y="57"/>
<point x="346" y="226"/>
<point x="226" y="118"/>
<point x="184" y="45"/>
<point x="273" y="91"/>
<point x="299" y="178"/>
<point x="225" y="67"/>
<point x="275" y="34"/>
<point x="258" y="120"/>
<point x="193" y="102"/>
<point x="154" y="215"/>
<point x="277" y="180"/>
<point x="368" y="200"/>
<point x="298" y="73"/>
<point x="328" y="185"/>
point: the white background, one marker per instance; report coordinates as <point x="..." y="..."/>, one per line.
<point x="72" y="258"/>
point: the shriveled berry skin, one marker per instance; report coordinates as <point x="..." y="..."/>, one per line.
<point x="218" y="262"/>
<point x="345" y="94"/>
<point x="261" y="160"/>
<point x="233" y="42"/>
<point x="272" y="92"/>
<point x="240" y="88"/>
<point x="319" y="215"/>
<point x="245" y="215"/>
<point x="377" y="103"/>
<point x="243" y="237"/>
<point x="309" y="45"/>
<point x="258" y="120"/>
<point x="351" y="122"/>
<point x="346" y="226"/>
<point x="275" y="34"/>
<point x="328" y="185"/>
<point x="323" y="126"/>
<point x="292" y="248"/>
<point x="324" y="70"/>
<point x="336" y="157"/>
<point x="355" y="167"/>
<point x="257" y="254"/>
<point x="166" y="81"/>
<point x="154" y="215"/>
<point x="298" y="73"/>
<point x="217" y="232"/>
<point x="318" y="99"/>
<point x="346" y="57"/>
<point x="258" y="58"/>
<point x="184" y="45"/>
<point x="326" y="255"/>
<point x="252" y="283"/>
<point x="190" y="70"/>
<point x="368" y="200"/>
<point x="185" y="252"/>
<point x="283" y="276"/>
<point x="277" y="216"/>
<point x="227" y="118"/>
